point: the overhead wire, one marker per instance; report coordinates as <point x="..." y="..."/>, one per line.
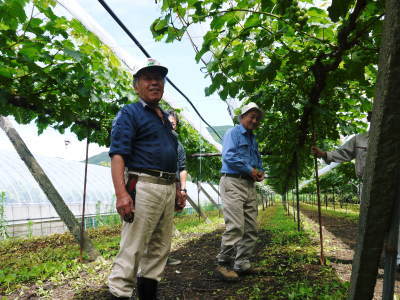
<point x="126" y="30"/>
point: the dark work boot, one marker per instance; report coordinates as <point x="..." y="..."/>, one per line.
<point x="147" y="288"/>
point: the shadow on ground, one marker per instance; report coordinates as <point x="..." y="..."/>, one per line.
<point x="195" y="277"/>
<point x="343" y="229"/>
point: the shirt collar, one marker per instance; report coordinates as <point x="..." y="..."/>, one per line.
<point x="146" y="105"/>
<point x="143" y="102"/>
<point x="244" y="130"/>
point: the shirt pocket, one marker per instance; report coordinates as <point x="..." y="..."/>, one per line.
<point x="244" y="147"/>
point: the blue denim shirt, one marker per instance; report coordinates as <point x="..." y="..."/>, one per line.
<point x="240" y="152"/>
<point x="143" y="140"/>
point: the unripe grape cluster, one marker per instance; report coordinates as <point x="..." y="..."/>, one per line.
<point x="297" y="15"/>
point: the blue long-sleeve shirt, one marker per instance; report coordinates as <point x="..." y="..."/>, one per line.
<point x="240" y="152"/>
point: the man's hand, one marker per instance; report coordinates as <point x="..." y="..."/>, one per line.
<point x="125" y="205"/>
<point x="184" y="195"/>
<point x="180" y="201"/>
<point x="318" y="152"/>
<point x="260" y="176"/>
<point x="254" y="174"/>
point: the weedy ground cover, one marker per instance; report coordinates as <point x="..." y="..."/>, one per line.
<point x="288" y="259"/>
<point x="350" y="215"/>
<point x="292" y="265"/>
<point x="37" y="259"/>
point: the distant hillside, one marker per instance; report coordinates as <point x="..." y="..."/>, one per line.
<point x="221" y="131"/>
<point x="100" y="159"/>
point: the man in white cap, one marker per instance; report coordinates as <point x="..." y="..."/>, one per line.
<point x="143" y="143"/>
<point x="241" y="168"/>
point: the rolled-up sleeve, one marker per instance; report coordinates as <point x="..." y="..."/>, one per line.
<point x="122" y="133"/>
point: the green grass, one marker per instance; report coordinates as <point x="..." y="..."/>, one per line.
<point x="351" y="215"/>
<point x="290" y="257"/>
<point x="292" y="260"/>
<point x="34" y="260"/>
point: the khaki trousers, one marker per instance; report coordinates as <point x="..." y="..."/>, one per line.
<point x="145" y="243"/>
<point x="240" y="213"/>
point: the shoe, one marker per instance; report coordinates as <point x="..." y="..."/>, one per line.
<point x="173" y="262"/>
<point x="113" y="297"/>
<point x="225" y="274"/>
<point x="147" y="288"/>
<point x="250" y="271"/>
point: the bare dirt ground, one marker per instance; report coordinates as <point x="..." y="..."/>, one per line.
<point x="340" y="237"/>
<point x="195" y="279"/>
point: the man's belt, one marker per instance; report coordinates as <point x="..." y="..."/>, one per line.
<point x="247" y="177"/>
<point x="170" y="177"/>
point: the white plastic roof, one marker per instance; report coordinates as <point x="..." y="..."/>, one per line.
<point x="67" y="177"/>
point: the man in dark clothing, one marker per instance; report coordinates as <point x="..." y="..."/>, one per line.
<point x="143" y="143"/>
<point x="181" y="173"/>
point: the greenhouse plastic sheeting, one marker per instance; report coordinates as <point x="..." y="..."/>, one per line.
<point x="67" y="177"/>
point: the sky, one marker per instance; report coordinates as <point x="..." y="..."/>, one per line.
<point x="137" y="16"/>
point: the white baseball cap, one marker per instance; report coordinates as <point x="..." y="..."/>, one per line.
<point x="153" y="65"/>
<point x="249" y="106"/>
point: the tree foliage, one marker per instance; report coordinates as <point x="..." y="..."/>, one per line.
<point x="311" y="68"/>
<point x="57" y="73"/>
<point x="341" y="180"/>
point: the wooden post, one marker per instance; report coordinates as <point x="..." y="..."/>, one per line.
<point x="215" y="190"/>
<point x="293" y="208"/>
<point x="208" y="196"/>
<point x="262" y="201"/>
<point x="380" y="194"/>
<point x="48" y="188"/>
<point x="297" y="193"/>
<point x="199" y="211"/>
<point x="321" y="240"/>
<point x="333" y="198"/>
<point x="391" y="253"/>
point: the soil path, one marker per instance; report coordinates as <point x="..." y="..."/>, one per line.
<point x="340" y="238"/>
<point x="195" y="278"/>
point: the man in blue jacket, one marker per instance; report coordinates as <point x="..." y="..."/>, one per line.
<point x="241" y="168"/>
<point x="143" y="143"/>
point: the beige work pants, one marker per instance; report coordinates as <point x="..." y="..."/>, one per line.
<point x="240" y="213"/>
<point x="145" y="243"/>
